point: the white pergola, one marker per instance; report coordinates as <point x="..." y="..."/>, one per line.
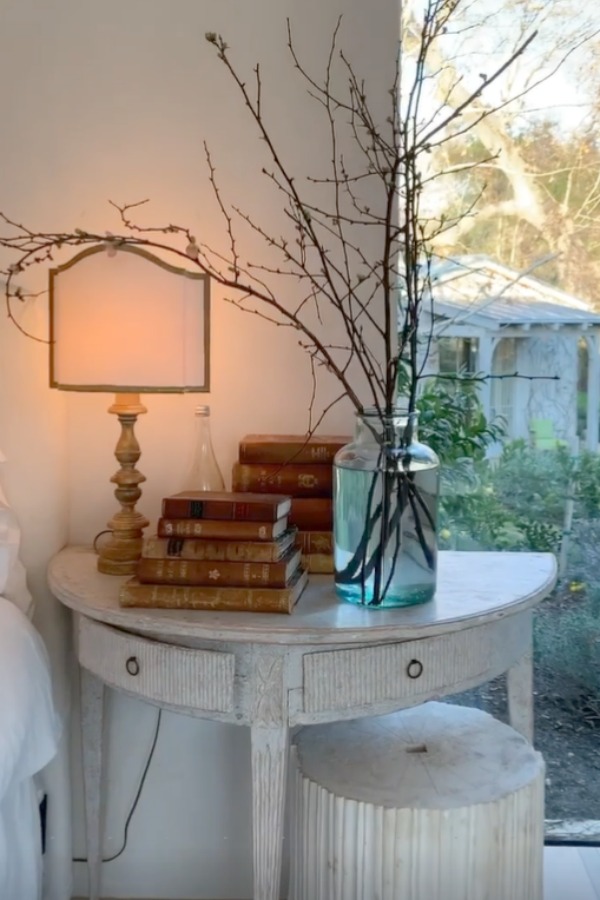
<point x="475" y="298"/>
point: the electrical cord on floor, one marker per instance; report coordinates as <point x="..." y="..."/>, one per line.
<point x="138" y="793"/>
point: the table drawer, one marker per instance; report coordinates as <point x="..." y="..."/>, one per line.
<point x="361" y="676"/>
<point x="196" y="679"/>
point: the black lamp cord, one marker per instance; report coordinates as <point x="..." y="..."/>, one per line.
<point x="135" y="799"/>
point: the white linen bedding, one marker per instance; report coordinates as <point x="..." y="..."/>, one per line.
<point x="29" y="727"/>
<point x="29" y="731"/>
<point x="13" y="584"/>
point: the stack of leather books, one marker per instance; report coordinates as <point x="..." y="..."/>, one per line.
<point x="302" y="467"/>
<point x="220" y="550"/>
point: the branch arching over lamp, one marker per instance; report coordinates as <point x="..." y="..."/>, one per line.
<point x="124" y="321"/>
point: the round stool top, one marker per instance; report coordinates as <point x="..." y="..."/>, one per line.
<point x="434" y="756"/>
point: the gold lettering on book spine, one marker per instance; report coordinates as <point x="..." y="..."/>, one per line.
<point x="308" y="481"/>
<point x="205" y="597"/>
<point x="186" y="598"/>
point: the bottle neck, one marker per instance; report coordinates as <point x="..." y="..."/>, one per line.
<point x="204" y="473"/>
<point x="202" y="427"/>
<point x="203" y="437"/>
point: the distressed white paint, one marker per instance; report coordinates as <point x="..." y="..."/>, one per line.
<point x="520" y="689"/>
<point x="92" y="730"/>
<point x="326" y="661"/>
<point x="268" y="716"/>
<point x="435" y="803"/>
<point x="473" y="589"/>
<point x="363" y="677"/>
<point x="201" y="679"/>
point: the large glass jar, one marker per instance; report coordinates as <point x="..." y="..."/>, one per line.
<point x="386" y="487"/>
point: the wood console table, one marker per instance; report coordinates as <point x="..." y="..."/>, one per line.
<point x="328" y="661"/>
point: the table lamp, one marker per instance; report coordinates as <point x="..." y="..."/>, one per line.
<point x="124" y="321"/>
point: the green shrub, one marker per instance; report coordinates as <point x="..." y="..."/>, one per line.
<point x="588" y="486"/>
<point x="534" y="484"/>
<point x="451" y="419"/>
<point x="567" y="634"/>
<point x="568" y="641"/>
<point x="517" y="504"/>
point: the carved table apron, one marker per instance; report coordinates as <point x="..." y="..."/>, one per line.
<point x="327" y="661"/>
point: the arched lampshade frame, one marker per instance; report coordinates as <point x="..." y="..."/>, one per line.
<point x="126" y="322"/>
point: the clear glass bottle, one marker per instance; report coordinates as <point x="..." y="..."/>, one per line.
<point x="204" y="473"/>
<point x="386" y="487"/>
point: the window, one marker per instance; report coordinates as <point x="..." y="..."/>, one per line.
<point x="457" y="355"/>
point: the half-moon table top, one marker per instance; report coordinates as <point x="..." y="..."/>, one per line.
<point x="473" y="588"/>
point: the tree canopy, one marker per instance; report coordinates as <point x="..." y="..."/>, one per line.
<point x="534" y="162"/>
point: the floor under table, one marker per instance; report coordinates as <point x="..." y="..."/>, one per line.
<point x="570" y="873"/>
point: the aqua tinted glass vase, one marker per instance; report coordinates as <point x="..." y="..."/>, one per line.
<point x="386" y="488"/>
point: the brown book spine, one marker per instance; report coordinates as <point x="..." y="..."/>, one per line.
<point x="221" y="529"/>
<point x="234" y="551"/>
<point x="318" y="563"/>
<point x="202" y="597"/>
<point x="315" y="541"/>
<point x="312" y="513"/>
<point x="290" y="448"/>
<point x="297" y="481"/>
<point x="213" y="572"/>
<point x="183" y="507"/>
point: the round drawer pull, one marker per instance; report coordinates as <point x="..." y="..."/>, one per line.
<point x="414" y="669"/>
<point x="132" y="665"/>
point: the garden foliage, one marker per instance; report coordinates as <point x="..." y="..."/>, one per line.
<point x="518" y="501"/>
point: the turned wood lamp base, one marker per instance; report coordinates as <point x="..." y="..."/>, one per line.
<point x="120" y="553"/>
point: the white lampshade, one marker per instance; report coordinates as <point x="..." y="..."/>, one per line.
<point x="125" y="321"/>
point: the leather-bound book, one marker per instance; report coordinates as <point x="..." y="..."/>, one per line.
<point x="256" y="507"/>
<point x="294" y="480"/>
<point x="290" y="448"/>
<point x="315" y="541"/>
<point x="312" y="513"/>
<point x="318" y="563"/>
<point x="221" y="529"/>
<point x="232" y="550"/>
<point x="215" y="572"/>
<point x="217" y="599"/>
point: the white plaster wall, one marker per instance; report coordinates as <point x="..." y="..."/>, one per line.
<point x="112" y="100"/>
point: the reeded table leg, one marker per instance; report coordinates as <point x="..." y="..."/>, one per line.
<point x="92" y="714"/>
<point x="270" y="749"/>
<point x="519" y="685"/>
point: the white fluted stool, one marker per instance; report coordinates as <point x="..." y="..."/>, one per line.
<point x="439" y="802"/>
